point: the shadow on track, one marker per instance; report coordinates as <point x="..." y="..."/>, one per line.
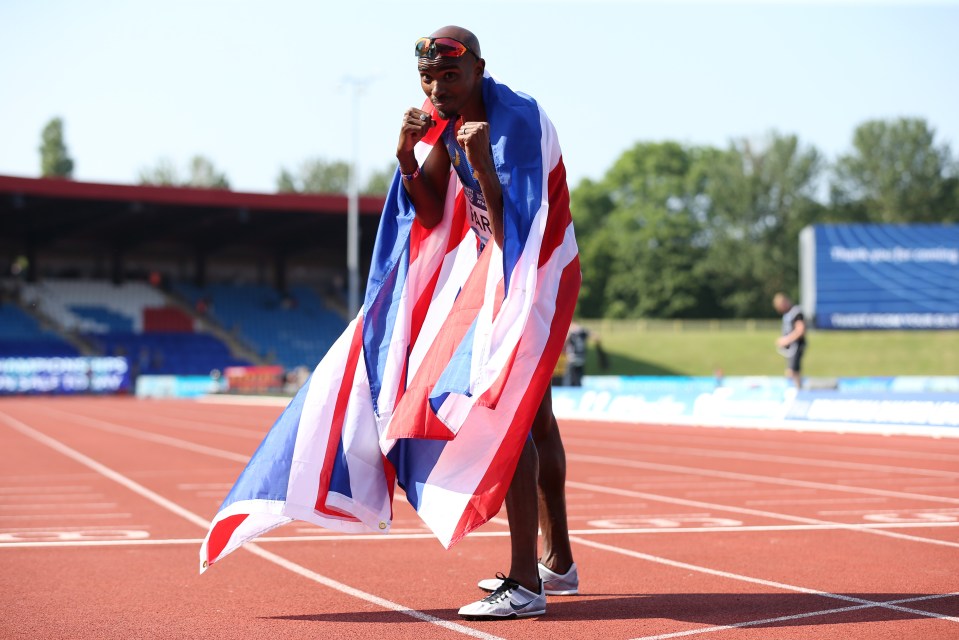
<point x="714" y="609"/>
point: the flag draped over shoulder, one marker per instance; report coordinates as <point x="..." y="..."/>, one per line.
<point x="434" y="385"/>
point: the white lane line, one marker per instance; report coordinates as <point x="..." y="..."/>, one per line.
<point x="98" y="527"/>
<point x="749" y="477"/>
<point x="760" y="581"/>
<point x="103" y="470"/>
<point x="753" y="512"/>
<point x="394" y="535"/>
<point x="201" y="486"/>
<point x="177" y="442"/>
<point x="263" y="401"/>
<point x="802" y="501"/>
<point x="860" y="512"/>
<point x="59" y="477"/>
<point x="171" y="506"/>
<point x="798" y="616"/>
<point x="67" y="516"/>
<point x="820" y="437"/>
<point x="38" y="498"/>
<point x="362" y="595"/>
<point x="762" y="457"/>
<point x="49" y="505"/>
<point x="689" y="435"/>
<point x="110" y="427"/>
<point x="192" y="425"/>
<point x="44" y="490"/>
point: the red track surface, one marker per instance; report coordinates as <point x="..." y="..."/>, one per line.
<point x="678" y="532"/>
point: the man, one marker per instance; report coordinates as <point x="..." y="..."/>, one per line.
<point x="452" y="75"/>
<point x="576" y="341"/>
<point x="436" y="383"/>
<point x="792" y="343"/>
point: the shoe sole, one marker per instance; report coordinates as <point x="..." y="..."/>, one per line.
<point x="512" y="616"/>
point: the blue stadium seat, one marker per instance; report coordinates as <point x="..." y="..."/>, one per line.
<point x="21" y="336"/>
<point x="296" y="331"/>
<point x="168" y="353"/>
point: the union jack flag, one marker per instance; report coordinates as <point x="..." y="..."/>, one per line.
<point x="434" y="385"/>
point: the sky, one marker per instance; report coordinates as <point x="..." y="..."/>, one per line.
<point x="261" y="86"/>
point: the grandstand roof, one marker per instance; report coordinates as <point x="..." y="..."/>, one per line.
<point x="55" y="214"/>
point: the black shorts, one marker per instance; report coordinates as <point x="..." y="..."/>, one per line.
<point x="793" y="361"/>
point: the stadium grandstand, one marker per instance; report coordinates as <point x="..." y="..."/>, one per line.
<point x="176" y="281"/>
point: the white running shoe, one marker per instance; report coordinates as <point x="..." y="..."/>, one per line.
<point x="554" y="584"/>
<point x="509" y="600"/>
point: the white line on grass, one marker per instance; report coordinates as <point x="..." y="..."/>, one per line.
<point x="252" y="548"/>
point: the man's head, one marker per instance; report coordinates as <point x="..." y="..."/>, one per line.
<point x="782" y="303"/>
<point x="451" y="70"/>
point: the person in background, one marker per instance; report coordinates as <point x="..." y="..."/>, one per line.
<point x="792" y="343"/>
<point x="576" y="342"/>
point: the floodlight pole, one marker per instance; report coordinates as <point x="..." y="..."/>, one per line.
<point x="353" y="204"/>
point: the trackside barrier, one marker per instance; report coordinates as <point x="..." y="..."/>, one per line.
<point x="922" y="405"/>
<point x="941" y="410"/>
<point x="63" y="375"/>
<point x="149" y="386"/>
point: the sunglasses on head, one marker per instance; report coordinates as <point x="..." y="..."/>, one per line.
<point x="441" y="47"/>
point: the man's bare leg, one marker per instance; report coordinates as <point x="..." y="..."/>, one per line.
<point x="557" y="553"/>
<point x="521" y="510"/>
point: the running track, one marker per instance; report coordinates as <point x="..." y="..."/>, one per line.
<point x="678" y="531"/>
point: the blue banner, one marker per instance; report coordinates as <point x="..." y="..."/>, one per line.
<point x="868" y="276"/>
<point x="63" y="375"/>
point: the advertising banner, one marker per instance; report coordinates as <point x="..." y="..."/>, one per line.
<point x="63" y="375"/>
<point x="872" y="276"/>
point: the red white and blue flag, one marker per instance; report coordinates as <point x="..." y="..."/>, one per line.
<point x="434" y="386"/>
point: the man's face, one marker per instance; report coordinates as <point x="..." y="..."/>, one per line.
<point x="449" y="83"/>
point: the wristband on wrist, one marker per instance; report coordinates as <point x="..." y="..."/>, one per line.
<point x="410" y="176"/>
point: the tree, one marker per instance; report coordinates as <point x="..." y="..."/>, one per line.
<point x="380" y="181"/>
<point x="285" y="182"/>
<point x="896" y="173"/>
<point x="680" y="232"/>
<point x="755" y="200"/>
<point x="204" y="175"/>
<point x="163" y="174"/>
<point x="201" y="174"/>
<point x="591" y="205"/>
<point x="639" y="237"/>
<point x="316" y="175"/>
<point x="55" y="162"/>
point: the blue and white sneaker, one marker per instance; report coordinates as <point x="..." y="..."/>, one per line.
<point x="554" y="584"/>
<point x="508" y="600"/>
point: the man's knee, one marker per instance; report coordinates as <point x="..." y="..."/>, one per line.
<point x="544" y="423"/>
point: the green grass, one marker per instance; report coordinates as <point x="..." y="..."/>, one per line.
<point x="699" y="349"/>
